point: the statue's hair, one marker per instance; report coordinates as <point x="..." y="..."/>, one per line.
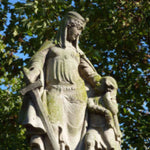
<point x="70" y="18"/>
<point x="76" y="23"/>
<point x="72" y="15"/>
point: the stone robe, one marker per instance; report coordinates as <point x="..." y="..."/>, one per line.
<point x="63" y="94"/>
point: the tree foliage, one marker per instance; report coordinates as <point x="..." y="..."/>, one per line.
<point x="116" y="40"/>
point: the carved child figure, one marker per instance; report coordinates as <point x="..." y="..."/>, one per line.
<point x="103" y="126"/>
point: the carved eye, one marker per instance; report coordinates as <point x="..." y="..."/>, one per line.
<point x="79" y="28"/>
<point x="111" y="87"/>
<point x="32" y="68"/>
<point x="72" y="25"/>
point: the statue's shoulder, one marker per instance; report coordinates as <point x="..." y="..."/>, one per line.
<point x="81" y="53"/>
<point x="46" y="45"/>
<point x="43" y="50"/>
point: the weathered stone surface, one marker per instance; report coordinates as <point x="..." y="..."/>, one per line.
<point x="103" y="126"/>
<point x="75" y="108"/>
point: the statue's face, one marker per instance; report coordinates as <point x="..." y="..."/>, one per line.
<point x="114" y="93"/>
<point x="73" y="32"/>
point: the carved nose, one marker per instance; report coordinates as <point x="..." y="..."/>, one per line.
<point x="78" y="33"/>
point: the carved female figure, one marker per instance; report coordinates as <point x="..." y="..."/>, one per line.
<point x="62" y="67"/>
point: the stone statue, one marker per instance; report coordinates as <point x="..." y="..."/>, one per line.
<point x="103" y="126"/>
<point x="54" y="112"/>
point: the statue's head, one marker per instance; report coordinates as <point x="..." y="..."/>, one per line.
<point x="75" y="25"/>
<point x="71" y="28"/>
<point x="74" y="18"/>
<point x="109" y="84"/>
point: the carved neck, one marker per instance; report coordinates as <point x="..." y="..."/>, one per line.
<point x="71" y="45"/>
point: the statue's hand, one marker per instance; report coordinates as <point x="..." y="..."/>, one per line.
<point x="31" y="74"/>
<point x="100" y="87"/>
<point x="108" y="115"/>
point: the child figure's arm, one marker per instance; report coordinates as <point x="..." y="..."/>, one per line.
<point x="92" y="107"/>
<point x="99" y="109"/>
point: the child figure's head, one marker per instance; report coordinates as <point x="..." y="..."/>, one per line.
<point x="110" y="84"/>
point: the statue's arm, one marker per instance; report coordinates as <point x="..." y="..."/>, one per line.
<point x="88" y="73"/>
<point x="92" y="107"/>
<point x="35" y="65"/>
<point x="99" y="109"/>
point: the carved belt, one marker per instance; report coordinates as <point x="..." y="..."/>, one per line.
<point x="61" y="87"/>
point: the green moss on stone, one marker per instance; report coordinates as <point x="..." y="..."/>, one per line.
<point x="81" y="91"/>
<point x="55" y="107"/>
